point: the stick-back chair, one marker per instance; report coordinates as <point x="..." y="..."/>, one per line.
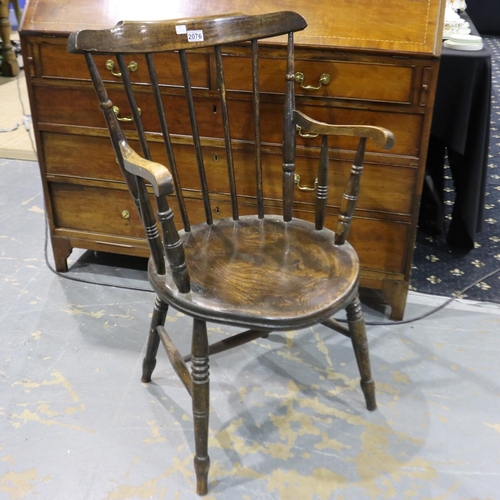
<point x="262" y="272"/>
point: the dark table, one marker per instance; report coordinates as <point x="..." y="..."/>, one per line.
<point x="460" y="128"/>
<point x="485" y="15"/>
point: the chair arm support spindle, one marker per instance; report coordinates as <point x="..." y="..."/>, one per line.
<point x="172" y="244"/>
<point x="350" y="196"/>
<point x="162" y="183"/>
<point x="382" y="138"/>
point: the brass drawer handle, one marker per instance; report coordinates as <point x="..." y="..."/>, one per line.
<point x="116" y="109"/>
<point x="324" y="79"/>
<point x="110" y="65"/>
<point x="305" y="134"/>
<point x="296" y="180"/>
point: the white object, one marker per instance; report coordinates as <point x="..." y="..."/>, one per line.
<point x="469" y="39"/>
<point x="453" y="23"/>
<point x="195" y="36"/>
<point x="450" y="44"/>
<point x="456" y="5"/>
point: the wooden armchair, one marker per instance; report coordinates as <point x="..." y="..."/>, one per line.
<point x="264" y="271"/>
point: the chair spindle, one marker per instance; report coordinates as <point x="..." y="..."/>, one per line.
<point x="196" y="136"/>
<point x="322" y="185"/>
<point x="350" y="197"/>
<point x="116" y="133"/>
<point x="168" y="142"/>
<point x="256" y="115"/>
<point x="227" y="131"/>
<point x="289" y="134"/>
<point x="134" y="108"/>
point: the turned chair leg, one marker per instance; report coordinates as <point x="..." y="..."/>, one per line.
<point x="149" y="363"/>
<point x="201" y="401"/>
<point x="360" y="344"/>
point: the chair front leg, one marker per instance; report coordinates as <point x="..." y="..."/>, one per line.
<point x="201" y="401"/>
<point x="159" y="315"/>
<point x="360" y="345"/>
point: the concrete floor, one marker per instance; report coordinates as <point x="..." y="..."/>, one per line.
<point x="287" y="419"/>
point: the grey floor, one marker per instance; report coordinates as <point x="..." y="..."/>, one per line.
<point x="287" y="416"/>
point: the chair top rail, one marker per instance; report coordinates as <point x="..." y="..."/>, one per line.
<point x="183" y="34"/>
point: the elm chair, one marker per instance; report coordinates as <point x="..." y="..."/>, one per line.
<point x="264" y="272"/>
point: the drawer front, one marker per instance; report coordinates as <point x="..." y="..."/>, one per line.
<point x="91" y="157"/>
<point x="56" y="62"/>
<point x="383" y="188"/>
<point x="113" y="212"/>
<point x="380" y="82"/>
<point x="407" y="128"/>
<point x="381" y="245"/>
<point x="88" y="114"/>
<point x="95" y="209"/>
<point x="80" y="156"/>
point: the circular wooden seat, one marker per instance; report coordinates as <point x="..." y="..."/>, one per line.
<point x="263" y="273"/>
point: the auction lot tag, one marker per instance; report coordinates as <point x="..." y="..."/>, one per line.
<point x="195" y="36"/>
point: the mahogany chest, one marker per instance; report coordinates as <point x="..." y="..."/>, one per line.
<point x="370" y="61"/>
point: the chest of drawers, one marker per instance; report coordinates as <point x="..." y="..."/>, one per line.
<point x="384" y="76"/>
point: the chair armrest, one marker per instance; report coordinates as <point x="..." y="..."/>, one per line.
<point x="382" y="137"/>
<point x="155" y="173"/>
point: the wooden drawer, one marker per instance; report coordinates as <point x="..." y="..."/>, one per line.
<point x="381" y="245"/>
<point x="88" y="114"/>
<point x="356" y="80"/>
<point x="92" y="157"/>
<point x="111" y="211"/>
<point x="407" y="128"/>
<point x="376" y="81"/>
<point x="80" y="156"/>
<point x="56" y="62"/>
<point x="383" y="188"/>
<point x="95" y="209"/>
